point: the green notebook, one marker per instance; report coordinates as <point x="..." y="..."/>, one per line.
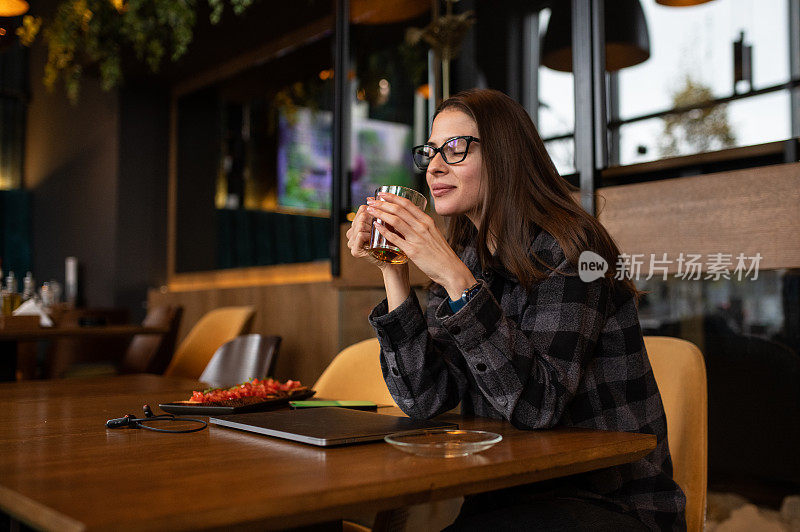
<point x="355" y="405"/>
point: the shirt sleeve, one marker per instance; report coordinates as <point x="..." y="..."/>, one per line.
<point x="529" y="371"/>
<point x="421" y="372"/>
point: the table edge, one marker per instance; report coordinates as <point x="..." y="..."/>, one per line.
<point x="36" y="514"/>
<point x="254" y="517"/>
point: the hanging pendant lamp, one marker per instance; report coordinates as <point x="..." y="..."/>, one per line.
<point x="681" y="3"/>
<point x="13" y="8"/>
<point x="627" y="39"/>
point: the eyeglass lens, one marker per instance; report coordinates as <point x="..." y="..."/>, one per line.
<point x="453" y="151"/>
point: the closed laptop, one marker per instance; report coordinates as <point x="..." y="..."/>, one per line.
<point x="325" y="426"/>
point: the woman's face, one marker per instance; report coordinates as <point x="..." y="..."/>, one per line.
<point x="456" y="188"/>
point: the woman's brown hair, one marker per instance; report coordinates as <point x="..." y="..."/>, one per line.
<point x="523" y="190"/>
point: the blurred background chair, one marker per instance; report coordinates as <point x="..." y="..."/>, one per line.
<point x="355" y="374"/>
<point x="680" y="372"/>
<point x="151" y="353"/>
<point x="144" y="353"/>
<point x="754" y="400"/>
<point x="209" y="333"/>
<point x="241" y="359"/>
<point x="81" y="357"/>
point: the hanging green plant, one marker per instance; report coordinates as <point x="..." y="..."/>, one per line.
<point x="87" y="34"/>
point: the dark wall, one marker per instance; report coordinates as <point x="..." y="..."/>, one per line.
<point x="71" y="168"/>
<point x="198" y="163"/>
<point x="141" y="245"/>
<point x="97" y="173"/>
<point x="15" y="229"/>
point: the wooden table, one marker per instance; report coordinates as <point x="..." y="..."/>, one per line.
<point x="98" y="331"/>
<point x="61" y="469"/>
<point x="10" y="337"/>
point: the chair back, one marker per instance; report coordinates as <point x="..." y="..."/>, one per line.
<point x="151" y="353"/>
<point x="209" y="333"/>
<point x="355" y="374"/>
<point x="680" y="372"/>
<point x="241" y="359"/>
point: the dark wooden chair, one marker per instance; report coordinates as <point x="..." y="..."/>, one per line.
<point x="243" y="358"/>
<point x="151" y="353"/>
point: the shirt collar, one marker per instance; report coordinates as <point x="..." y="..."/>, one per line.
<point x="470" y="257"/>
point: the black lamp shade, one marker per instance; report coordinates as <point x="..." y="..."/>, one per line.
<point x="627" y="39"/>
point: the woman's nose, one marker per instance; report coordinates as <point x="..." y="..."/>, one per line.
<point x="437" y="164"/>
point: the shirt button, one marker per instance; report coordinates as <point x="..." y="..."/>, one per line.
<point x="502" y="400"/>
<point x="395" y="372"/>
<point x="455" y="329"/>
<point x="480" y="367"/>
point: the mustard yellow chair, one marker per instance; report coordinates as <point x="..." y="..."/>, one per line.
<point x="355" y="374"/>
<point x="680" y="373"/>
<point x="214" y="329"/>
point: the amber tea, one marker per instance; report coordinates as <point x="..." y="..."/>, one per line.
<point x="389" y="255"/>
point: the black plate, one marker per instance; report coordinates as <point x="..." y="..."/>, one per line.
<point x="207" y="410"/>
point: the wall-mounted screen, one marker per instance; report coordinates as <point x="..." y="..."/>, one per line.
<point x="380" y="156"/>
<point x="304" y="159"/>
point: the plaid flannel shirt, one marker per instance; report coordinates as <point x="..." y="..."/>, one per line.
<point x="565" y="352"/>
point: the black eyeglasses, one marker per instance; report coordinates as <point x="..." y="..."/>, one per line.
<point x="453" y="151"/>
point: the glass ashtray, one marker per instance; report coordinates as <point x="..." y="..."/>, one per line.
<point x="443" y="443"/>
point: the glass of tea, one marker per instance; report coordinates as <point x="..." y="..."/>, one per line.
<point x="379" y="247"/>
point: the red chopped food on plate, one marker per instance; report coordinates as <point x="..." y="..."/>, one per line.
<point x="261" y="388"/>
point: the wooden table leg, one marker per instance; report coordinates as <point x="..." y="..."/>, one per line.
<point x="8" y="361"/>
<point x="391" y="520"/>
<point x="26" y="360"/>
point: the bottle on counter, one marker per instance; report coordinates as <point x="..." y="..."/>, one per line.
<point x="71" y="281"/>
<point x="28" y="287"/>
<point x="11" y="299"/>
<point x="46" y="295"/>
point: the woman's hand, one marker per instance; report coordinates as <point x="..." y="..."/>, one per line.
<point x="419" y="238"/>
<point x="358" y="236"/>
<point x="395" y="276"/>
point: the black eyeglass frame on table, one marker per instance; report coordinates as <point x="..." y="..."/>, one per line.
<point x="417" y="150"/>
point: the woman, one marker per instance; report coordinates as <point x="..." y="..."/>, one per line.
<point x="512" y="332"/>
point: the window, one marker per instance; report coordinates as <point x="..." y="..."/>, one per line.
<point x="691" y="66"/>
<point x="556" y="119"/>
<point x="692" y="60"/>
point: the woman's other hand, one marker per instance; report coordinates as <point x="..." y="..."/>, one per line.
<point x="359" y="233"/>
<point x="358" y="237"/>
<point x="395" y="276"/>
